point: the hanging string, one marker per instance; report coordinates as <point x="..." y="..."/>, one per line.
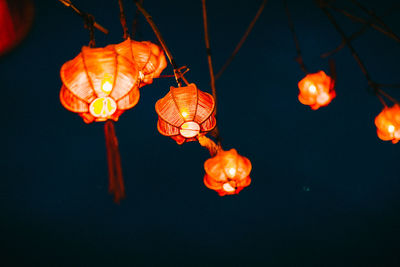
<point x="116" y="183"/>
<point x="83" y="14"/>
<point x="209" y="144"/>
<point x="242" y="40"/>
<point x="371" y="83"/>
<point x="299" y="58"/>
<point x="89" y="24"/>
<point x="135" y="22"/>
<point x="178" y="75"/>
<point x="122" y="18"/>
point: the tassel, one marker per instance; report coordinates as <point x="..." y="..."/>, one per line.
<point x="116" y="182"/>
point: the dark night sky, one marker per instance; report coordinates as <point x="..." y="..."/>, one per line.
<point x="325" y="190"/>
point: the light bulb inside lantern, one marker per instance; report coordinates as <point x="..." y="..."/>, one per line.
<point x="312" y="89"/>
<point x="231" y="172"/>
<point x="106" y="85"/>
<point x="391" y="128"/>
<point x="227" y="187"/>
<point x="184" y="114"/>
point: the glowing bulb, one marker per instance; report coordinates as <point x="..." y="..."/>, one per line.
<point x="106" y="87"/>
<point x="184" y="114"/>
<point x="312" y="89"/>
<point x="231" y="172"/>
<point x="227" y="187"/>
<point x="391" y="128"/>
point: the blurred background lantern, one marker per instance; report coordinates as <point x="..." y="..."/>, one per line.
<point x="16" y="17"/>
<point x="227" y="172"/>
<point x="99" y="85"/>
<point x="388" y="124"/>
<point x="185" y="112"/>
<point x="316" y="90"/>
<point x="150" y="58"/>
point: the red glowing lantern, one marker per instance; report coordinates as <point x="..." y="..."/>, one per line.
<point x="227" y="172"/>
<point x="149" y="58"/>
<point x="16" y="18"/>
<point x="99" y="84"/>
<point x="388" y="124"/>
<point x="184" y="113"/>
<point x="316" y="90"/>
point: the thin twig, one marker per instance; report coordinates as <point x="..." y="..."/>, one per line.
<point x="299" y="58"/>
<point x="372" y="14"/>
<point x="157" y="32"/>
<point x="388" y="96"/>
<point x="122" y="18"/>
<point x="241" y="42"/>
<point x="84" y="15"/>
<point x="210" y="65"/>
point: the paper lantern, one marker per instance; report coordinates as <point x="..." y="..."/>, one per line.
<point x="150" y="58"/>
<point x="388" y="124"/>
<point x="16" y="17"/>
<point x="99" y="84"/>
<point x="316" y="90"/>
<point x="185" y="112"/>
<point x="227" y="172"/>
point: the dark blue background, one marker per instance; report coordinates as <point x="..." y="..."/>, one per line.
<point x="325" y="190"/>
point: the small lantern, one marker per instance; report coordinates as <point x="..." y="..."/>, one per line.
<point x="388" y="124"/>
<point x="316" y="90"/>
<point x="184" y="113"/>
<point x="99" y="84"/>
<point x="227" y="172"/>
<point x="150" y="58"/>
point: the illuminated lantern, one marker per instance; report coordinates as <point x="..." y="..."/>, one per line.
<point x="99" y="84"/>
<point x="16" y="18"/>
<point x="316" y="90"/>
<point x="184" y="113"/>
<point x="227" y="172"/>
<point x="149" y="58"/>
<point x="388" y="124"/>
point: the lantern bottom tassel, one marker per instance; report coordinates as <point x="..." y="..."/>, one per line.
<point x="116" y="182"/>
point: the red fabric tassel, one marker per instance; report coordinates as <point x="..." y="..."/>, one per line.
<point x="116" y="182"/>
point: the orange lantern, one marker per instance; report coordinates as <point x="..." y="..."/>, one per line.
<point x="185" y="112"/>
<point x="16" y="17"/>
<point x="99" y="84"/>
<point x="227" y="172"/>
<point x="316" y="90"/>
<point x="149" y="58"/>
<point x="388" y="124"/>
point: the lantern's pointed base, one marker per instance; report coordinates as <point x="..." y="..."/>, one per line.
<point x="116" y="182"/>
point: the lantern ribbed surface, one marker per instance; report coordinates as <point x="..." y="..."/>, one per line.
<point x="388" y="124"/>
<point x="185" y="112"/>
<point x="99" y="84"/>
<point x="316" y="90"/>
<point x="150" y="58"/>
<point x="227" y="172"/>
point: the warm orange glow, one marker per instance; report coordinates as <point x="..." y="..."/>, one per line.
<point x="388" y="124"/>
<point x="184" y="113"/>
<point x="227" y="172"/>
<point x="99" y="84"/>
<point x="316" y="90"/>
<point x="149" y="58"/>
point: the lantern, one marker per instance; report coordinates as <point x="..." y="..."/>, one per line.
<point x="227" y="172"/>
<point x="184" y="113"/>
<point x="99" y="84"/>
<point x="16" y="17"/>
<point x="316" y="90"/>
<point x="388" y="124"/>
<point x="149" y="58"/>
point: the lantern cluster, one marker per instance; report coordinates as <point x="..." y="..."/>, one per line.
<point x="185" y="112"/>
<point x="101" y="83"/>
<point x="388" y="124"/>
<point x="227" y="172"/>
<point x="316" y="90"/>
